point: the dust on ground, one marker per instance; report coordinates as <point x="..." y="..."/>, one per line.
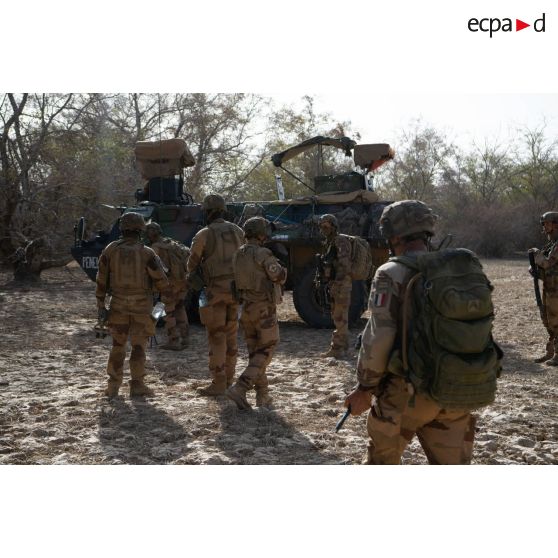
<point x="52" y="371"/>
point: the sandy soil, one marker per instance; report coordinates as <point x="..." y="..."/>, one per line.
<point x="52" y="375"/>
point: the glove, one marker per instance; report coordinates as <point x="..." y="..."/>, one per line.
<point x="102" y="314"/>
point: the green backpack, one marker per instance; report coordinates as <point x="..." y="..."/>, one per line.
<point x="448" y="351"/>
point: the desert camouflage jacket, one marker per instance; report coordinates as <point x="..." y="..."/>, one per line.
<point x="382" y="333"/>
<point x="337" y="254"/>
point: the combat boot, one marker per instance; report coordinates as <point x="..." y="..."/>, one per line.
<point x="544" y="358"/>
<point x="263" y="399"/>
<point x="216" y="387"/>
<point x="553" y="361"/>
<point x="173" y="344"/>
<point x="138" y="389"/>
<point x="335" y="353"/>
<point x="111" y="389"/>
<point x="237" y="393"/>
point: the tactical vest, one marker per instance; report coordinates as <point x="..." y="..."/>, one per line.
<point x="127" y="268"/>
<point x="223" y="240"/>
<point x="447" y="347"/>
<point x="249" y="275"/>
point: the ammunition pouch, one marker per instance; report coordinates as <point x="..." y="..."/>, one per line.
<point x="195" y="280"/>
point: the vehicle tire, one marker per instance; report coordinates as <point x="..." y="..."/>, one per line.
<point x="310" y="310"/>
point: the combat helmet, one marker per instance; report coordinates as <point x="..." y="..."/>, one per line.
<point x="153" y="226"/>
<point x="213" y="202"/>
<point x="407" y="217"/>
<point x="132" y="221"/>
<point x="549" y="217"/>
<point x="256" y="226"/>
<point x="329" y="218"/>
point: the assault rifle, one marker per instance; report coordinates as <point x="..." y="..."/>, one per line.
<point x="535" y="273"/>
<point x="321" y="284"/>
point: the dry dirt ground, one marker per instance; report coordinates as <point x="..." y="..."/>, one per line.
<point x="52" y="374"/>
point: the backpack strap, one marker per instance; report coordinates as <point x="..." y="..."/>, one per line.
<point x="406" y="305"/>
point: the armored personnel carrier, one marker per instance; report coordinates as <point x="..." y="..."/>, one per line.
<point x="295" y="239"/>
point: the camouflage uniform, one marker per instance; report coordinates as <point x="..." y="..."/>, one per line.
<point x="337" y="262"/>
<point x="547" y="261"/>
<point x="176" y="320"/>
<point x="258" y="276"/>
<point x="212" y="250"/>
<point x="397" y="414"/>
<point x="128" y="272"/>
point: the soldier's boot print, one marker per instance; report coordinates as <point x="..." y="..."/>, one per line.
<point x="217" y="387"/>
<point x="139" y="389"/>
<point x="237" y="393"/>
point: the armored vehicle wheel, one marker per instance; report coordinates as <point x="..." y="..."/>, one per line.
<point x="308" y="306"/>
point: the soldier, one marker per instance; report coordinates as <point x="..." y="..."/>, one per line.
<point x="128" y="271"/>
<point x="547" y="261"/>
<point x="258" y="277"/>
<point x="212" y="252"/>
<point x="398" y="413"/>
<point x="174" y="257"/>
<point x="336" y="266"/>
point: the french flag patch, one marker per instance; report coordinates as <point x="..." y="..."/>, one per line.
<point x="380" y="299"/>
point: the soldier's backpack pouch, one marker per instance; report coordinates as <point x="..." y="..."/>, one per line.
<point x="361" y="258"/>
<point x="448" y="350"/>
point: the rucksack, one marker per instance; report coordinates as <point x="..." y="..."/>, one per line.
<point x="178" y="255"/>
<point x="361" y="258"/>
<point x="447" y="346"/>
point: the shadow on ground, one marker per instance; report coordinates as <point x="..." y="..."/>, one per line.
<point x="137" y="432"/>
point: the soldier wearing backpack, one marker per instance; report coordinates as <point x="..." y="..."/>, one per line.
<point x="258" y="277"/>
<point x="547" y="262"/>
<point x="336" y="265"/>
<point x="128" y="274"/>
<point x="211" y="253"/>
<point x="427" y="356"/>
<point x="174" y="257"/>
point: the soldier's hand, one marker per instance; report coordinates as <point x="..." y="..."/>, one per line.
<point x="360" y="401"/>
<point x="533" y="250"/>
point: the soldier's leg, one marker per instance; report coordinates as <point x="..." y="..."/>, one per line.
<point x="231" y="334"/>
<point x="141" y="329"/>
<point x="182" y="319"/>
<point x="341" y="301"/>
<point x="259" y="321"/>
<point x="448" y="438"/>
<point x="214" y="318"/>
<point x="173" y="336"/>
<point x="551" y="306"/>
<point x="387" y="439"/>
<point x="119" y="326"/>
<point x="268" y="340"/>
<point x="549" y="349"/>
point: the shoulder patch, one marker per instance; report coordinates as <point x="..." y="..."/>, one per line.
<point x="381" y="292"/>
